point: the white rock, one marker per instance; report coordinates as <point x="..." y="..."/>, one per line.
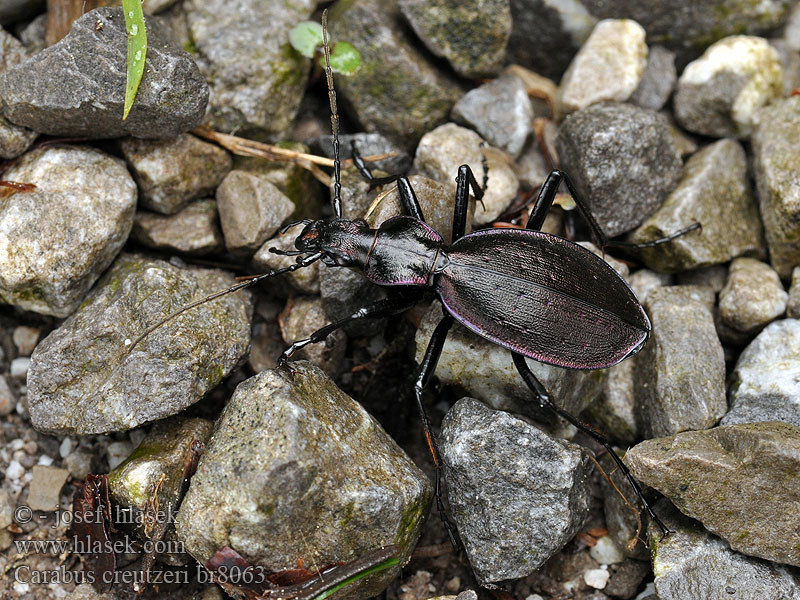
<point x="606" y="551"/>
<point x="19" y="367"/>
<point x="596" y="578"/>
<point x="117" y="452"/>
<point x="15" y="470"/>
<point x="65" y="448"/>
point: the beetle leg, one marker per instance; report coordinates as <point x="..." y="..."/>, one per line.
<point x="409" y="199"/>
<point x="546" y="401"/>
<point x="426" y="369"/>
<point x="464" y="180"/>
<point x="365" y="171"/>
<point x="376" y="310"/>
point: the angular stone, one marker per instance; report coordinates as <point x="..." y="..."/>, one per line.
<point x="391" y="66"/>
<point x="777" y="161"/>
<point x="257" y="80"/>
<point x="715" y="192"/>
<point x="303" y="280"/>
<point x="613" y="412"/>
<point x="76" y="88"/>
<point x="764" y="384"/>
<point x="658" y="80"/>
<point x="500" y="111"/>
<point x="680" y="374"/>
<point x="192" y="230"/>
<point x="170" y="173"/>
<point x="302" y="317"/>
<point x="623" y="161"/>
<point x="718" y="94"/>
<point x="752" y="297"/>
<point x="83" y="377"/>
<point x="56" y="240"/>
<point x="608" y="67"/>
<point x="793" y="303"/>
<point x="297" y="468"/>
<point x="44" y="492"/>
<point x="487" y="372"/>
<point x="472" y="35"/>
<point x="442" y="151"/>
<point x="718" y="475"/>
<point x="516" y="494"/>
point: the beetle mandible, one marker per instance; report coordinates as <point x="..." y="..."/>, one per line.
<point x="569" y="308"/>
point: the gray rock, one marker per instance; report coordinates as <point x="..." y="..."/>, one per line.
<point x="44" y="490"/>
<point x="691" y="563"/>
<point x="471" y="35"/>
<point x="644" y="281"/>
<point x="256" y="78"/>
<point x="622" y="521"/>
<point x="396" y="92"/>
<point x="302" y="317"/>
<point x="343" y="292"/>
<point x="76" y="87"/>
<point x="297" y="468"/>
<point x="752" y="297"/>
<point x="56" y="240"/>
<point x="713" y="277"/>
<point x="627" y="579"/>
<point x="680" y="374"/>
<point x="793" y="303"/>
<point x="33" y="34"/>
<point x="558" y="29"/>
<point x="304" y="280"/>
<point x="251" y="209"/>
<point x="171" y="173"/>
<point x="83" y="378"/>
<point x="688" y="27"/>
<point x="790" y="61"/>
<point x="14" y="140"/>
<point x="608" y="67"/>
<point x="777" y="156"/>
<point x="718" y="475"/>
<point x="437" y="201"/>
<point x="155" y="471"/>
<point x="367" y="144"/>
<point x="718" y="94"/>
<point x="764" y="384"/>
<point x="658" y="80"/>
<point x="623" y="161"/>
<point x="441" y="151"/>
<point x="715" y="192"/>
<point x="193" y="230"/>
<point x="487" y="372"/>
<point x="152" y="7"/>
<point x="516" y="494"/>
<point x="500" y="111"/>
<point x="613" y="412"/>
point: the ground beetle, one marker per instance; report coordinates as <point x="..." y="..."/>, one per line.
<point x="537" y="294"/>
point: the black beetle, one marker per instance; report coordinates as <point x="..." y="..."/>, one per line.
<point x="539" y="295"/>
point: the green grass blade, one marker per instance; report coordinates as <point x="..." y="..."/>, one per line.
<point x="373" y="569"/>
<point x="137" y="50"/>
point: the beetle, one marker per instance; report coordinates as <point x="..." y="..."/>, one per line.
<point x="538" y="295"/>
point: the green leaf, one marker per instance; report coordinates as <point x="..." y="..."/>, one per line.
<point x="305" y="37"/>
<point x="137" y="50"/>
<point x="345" y="58"/>
<point x="369" y="571"/>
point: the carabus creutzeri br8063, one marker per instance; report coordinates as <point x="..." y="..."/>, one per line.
<point x="539" y="295"/>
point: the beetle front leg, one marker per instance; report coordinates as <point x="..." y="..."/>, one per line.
<point x="545" y="401"/>
<point x="464" y="180"/>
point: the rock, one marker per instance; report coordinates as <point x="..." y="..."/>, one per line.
<point x="622" y="160"/>
<point x="644" y="281"/>
<point x="777" y="156"/>
<point x="171" y="173"/>
<point x="712" y="277"/>
<point x="14" y="140"/>
<point x="343" y="292"/>
<point x="627" y="579"/>
<point x="680" y="374"/>
<point x="257" y="80"/>
<point x="596" y="578"/>
<point x="367" y="144"/>
<point x="83" y="378"/>
<point x="558" y="30"/>
<point x="7" y="400"/>
<point x="44" y="492"/>
<point x="436" y="199"/>
<point x="715" y="192"/>
<point x="500" y="111"/>
<point x="442" y="151"/>
<point x="613" y="411"/>
<point x="80" y="463"/>
<point x="718" y="94"/>
<point x="516" y="494"/>
<point x="155" y="471"/>
<point x="718" y="475"/>
<point x="19" y="367"/>
<point x="606" y="551"/>
<point x="25" y="339"/>
<point x="752" y="297"/>
<point x="658" y="80"/>
<point x="251" y="209"/>
<point x="192" y="230"/>
<point x="623" y="524"/>
<point x="763" y="385"/>
<point x="297" y="468"/>
<point x="302" y="317"/>
<point x="56" y="240"/>
<point x="793" y="303"/>
<point x="117" y="452"/>
<point x="487" y="372"/>
<point x="391" y="66"/>
<point x="608" y="67"/>
<point x="76" y="88"/>
<point x="471" y="35"/>
<point x="303" y="280"/>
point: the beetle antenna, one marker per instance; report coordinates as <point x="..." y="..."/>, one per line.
<point x="337" y="165"/>
<point x="239" y="286"/>
<point x="288" y="226"/>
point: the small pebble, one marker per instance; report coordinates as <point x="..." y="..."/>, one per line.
<point x="17" y="444"/>
<point x="45" y="460"/>
<point x="7" y="401"/>
<point x="25" y="339"/>
<point x="45" y="488"/>
<point x="14" y="470"/>
<point x="65" y="448"/>
<point x="606" y="551"/>
<point x="534" y="597"/>
<point x="31" y="447"/>
<point x="19" y="367"/>
<point x="453" y="585"/>
<point x="117" y="452"/>
<point x="136" y="436"/>
<point x="596" y="578"/>
<point x="79" y="464"/>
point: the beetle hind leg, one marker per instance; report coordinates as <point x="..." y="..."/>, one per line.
<point x="543" y="396"/>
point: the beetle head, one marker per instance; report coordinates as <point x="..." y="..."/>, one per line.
<point x="341" y="241"/>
